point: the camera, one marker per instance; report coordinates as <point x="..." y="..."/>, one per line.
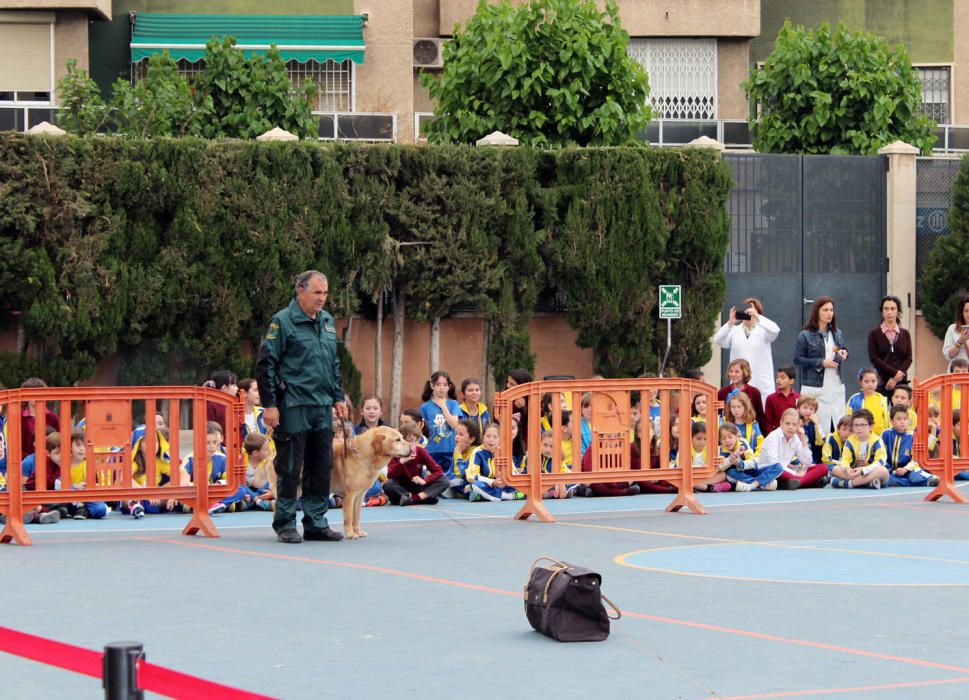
<point x="742" y="316"/>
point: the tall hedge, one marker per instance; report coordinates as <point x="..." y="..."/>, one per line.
<point x="176" y="252"/>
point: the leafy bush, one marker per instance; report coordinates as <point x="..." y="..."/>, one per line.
<point x="233" y="97"/>
<point x="548" y="72"/>
<point x="836" y="92"/>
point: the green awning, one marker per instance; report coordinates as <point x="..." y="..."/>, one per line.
<point x="298" y="37"/>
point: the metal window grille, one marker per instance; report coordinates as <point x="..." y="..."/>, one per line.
<point x="934" y="180"/>
<point x="682" y="76"/>
<point x="333" y="81"/>
<point x="936" y="89"/>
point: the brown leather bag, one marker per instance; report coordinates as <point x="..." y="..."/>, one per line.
<point x="565" y="602"/>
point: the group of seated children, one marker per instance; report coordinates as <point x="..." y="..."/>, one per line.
<point x="258" y="456"/>
<point x="762" y="445"/>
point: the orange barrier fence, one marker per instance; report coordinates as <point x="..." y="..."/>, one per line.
<point x="112" y="472"/>
<point x="953" y="454"/>
<point x="613" y="449"/>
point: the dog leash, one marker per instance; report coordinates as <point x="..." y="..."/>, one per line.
<point x="350" y="441"/>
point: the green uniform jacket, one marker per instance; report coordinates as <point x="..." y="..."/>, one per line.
<point x="298" y="367"/>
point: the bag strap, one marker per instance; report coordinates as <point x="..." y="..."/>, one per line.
<point x="559" y="567"/>
<point x="611" y="605"/>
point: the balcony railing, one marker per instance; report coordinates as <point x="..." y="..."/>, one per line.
<point x="734" y="133"/>
<point x="334" y="126"/>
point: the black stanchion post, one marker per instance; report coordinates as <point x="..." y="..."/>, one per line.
<point x="120" y="680"/>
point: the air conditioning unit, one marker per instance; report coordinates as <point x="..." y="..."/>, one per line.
<point x="428" y="53"/>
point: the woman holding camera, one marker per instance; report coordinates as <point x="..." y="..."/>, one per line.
<point x="957" y="335"/>
<point x="819" y="352"/>
<point x="890" y="347"/>
<point x="748" y="335"/>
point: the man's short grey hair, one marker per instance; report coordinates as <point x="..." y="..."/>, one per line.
<point x="303" y="280"/>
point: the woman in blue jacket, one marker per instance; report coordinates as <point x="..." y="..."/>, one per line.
<point x="819" y="352"/>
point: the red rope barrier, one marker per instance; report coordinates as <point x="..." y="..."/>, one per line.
<point x="156" y="679"/>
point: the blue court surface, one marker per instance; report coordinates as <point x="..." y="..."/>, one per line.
<point x="815" y="593"/>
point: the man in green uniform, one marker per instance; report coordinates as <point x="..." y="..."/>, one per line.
<point x="298" y="373"/>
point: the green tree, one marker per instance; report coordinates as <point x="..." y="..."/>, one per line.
<point x="83" y="110"/>
<point x="836" y="92"/>
<point x="160" y="105"/>
<point x="943" y="276"/>
<point x="233" y="97"/>
<point x="619" y="225"/>
<point x="548" y="72"/>
<point x="244" y="97"/>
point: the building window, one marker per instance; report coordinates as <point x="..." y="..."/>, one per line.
<point x="936" y="89"/>
<point x="682" y="76"/>
<point x="333" y="80"/>
<point x="26" y="57"/>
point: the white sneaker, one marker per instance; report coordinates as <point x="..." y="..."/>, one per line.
<point x="137" y="511"/>
<point x="483" y="494"/>
<point x="217" y="509"/>
<point x="743" y="486"/>
<point x="772" y="486"/>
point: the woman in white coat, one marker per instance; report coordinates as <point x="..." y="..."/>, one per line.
<point x="750" y="339"/>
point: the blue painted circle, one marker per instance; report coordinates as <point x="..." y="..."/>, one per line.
<point x="881" y="562"/>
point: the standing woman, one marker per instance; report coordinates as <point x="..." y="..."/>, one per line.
<point x="890" y="347"/>
<point x="750" y="340"/>
<point x="957" y="335"/>
<point x="820" y="350"/>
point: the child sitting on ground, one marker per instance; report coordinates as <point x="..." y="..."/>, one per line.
<point x="215" y="466"/>
<point x="741" y="413"/>
<point x="700" y="452"/>
<point x="558" y="490"/>
<point x="784" y="398"/>
<point x="253" y="422"/>
<point x="92" y="509"/>
<point x="807" y="411"/>
<point x="864" y="458"/>
<point x="259" y="450"/>
<point x="898" y="445"/>
<point x="902" y="396"/>
<point x="787" y="447"/>
<point x="698" y="408"/>
<point x="472" y="409"/>
<point x="44" y="514"/>
<point x="834" y="443"/>
<point x="738" y="373"/>
<point x="371" y="414"/>
<point x="467" y="439"/>
<point x="739" y="466"/>
<point x="869" y="398"/>
<point x="407" y="481"/>
<point x="486" y="483"/>
<point x="413" y="417"/>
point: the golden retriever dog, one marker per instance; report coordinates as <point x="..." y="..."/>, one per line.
<point x="355" y="468"/>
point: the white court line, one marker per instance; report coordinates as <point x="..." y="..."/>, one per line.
<point x="863" y="493"/>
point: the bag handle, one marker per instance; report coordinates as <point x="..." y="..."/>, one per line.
<point x="559" y="568"/>
<point x="611" y="605"/>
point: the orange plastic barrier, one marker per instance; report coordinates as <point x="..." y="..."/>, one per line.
<point x="947" y="464"/>
<point x="107" y="413"/>
<point x="612" y="440"/>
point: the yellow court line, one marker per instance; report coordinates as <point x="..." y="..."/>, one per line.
<point x="763" y="543"/>
<point x="676" y="572"/>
